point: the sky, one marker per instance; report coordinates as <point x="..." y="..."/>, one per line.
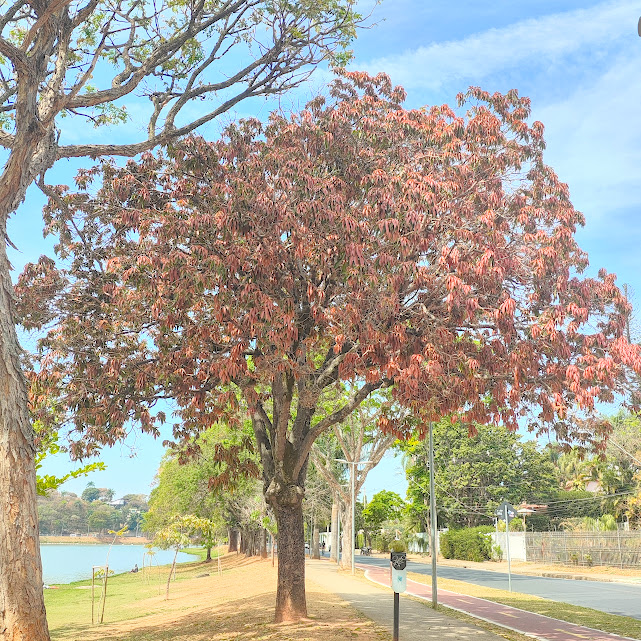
<point x="578" y="61"/>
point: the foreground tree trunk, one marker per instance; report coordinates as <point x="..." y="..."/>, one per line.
<point x="291" y="604"/>
<point x="22" y="610"/>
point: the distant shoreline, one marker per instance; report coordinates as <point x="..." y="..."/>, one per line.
<point x="93" y="540"/>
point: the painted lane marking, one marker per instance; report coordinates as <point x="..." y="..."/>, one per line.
<point x="581" y="636"/>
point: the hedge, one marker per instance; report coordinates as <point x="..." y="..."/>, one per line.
<point x="470" y="544"/>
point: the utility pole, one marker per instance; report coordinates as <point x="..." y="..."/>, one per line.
<point x="433" y="518"/>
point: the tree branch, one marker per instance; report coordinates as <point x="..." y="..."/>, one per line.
<point x="18" y="58"/>
<point x="337" y="416"/>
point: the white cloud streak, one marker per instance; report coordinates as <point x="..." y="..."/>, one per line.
<point x="548" y="38"/>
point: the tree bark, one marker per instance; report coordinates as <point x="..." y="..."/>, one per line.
<point x="233" y="540"/>
<point x="291" y="604"/>
<point x="22" y="610"/>
<point x="208" y="557"/>
<point x="263" y="544"/>
<point x="333" y="541"/>
<point x="315" y="544"/>
<point x="346" y="536"/>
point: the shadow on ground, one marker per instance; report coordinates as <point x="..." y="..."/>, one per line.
<point x="249" y="619"/>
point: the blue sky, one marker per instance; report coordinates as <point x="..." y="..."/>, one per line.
<point x="579" y="62"/>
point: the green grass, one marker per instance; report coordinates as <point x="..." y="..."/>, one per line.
<point x="69" y="606"/>
<point x="624" y="626"/>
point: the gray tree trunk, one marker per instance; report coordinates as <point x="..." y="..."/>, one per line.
<point x="333" y="541"/>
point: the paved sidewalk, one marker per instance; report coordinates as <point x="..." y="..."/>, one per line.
<point x="418" y="622"/>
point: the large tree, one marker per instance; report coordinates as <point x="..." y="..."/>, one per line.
<point x="418" y="250"/>
<point x="85" y="60"/>
<point x="474" y="474"/>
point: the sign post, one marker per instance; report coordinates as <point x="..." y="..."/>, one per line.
<point x="398" y="565"/>
<point x="507" y="512"/>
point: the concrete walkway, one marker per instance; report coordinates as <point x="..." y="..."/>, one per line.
<point x="418" y="622"/>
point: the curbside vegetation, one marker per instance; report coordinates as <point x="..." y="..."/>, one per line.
<point x="469" y="544"/>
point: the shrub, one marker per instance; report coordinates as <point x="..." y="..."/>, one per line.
<point x="470" y="544"/>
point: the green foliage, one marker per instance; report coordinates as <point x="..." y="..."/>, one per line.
<point x="48" y="445"/>
<point x="474" y="474"/>
<point x="469" y="544"/>
<point x="190" y="488"/>
<point x="605" y="523"/>
<point x="397" y="545"/>
<point x="384" y="506"/>
<point x="61" y="513"/>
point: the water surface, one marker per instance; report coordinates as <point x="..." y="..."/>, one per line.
<point x="73" y="562"/>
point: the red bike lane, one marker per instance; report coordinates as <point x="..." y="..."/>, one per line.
<point x="536" y="625"/>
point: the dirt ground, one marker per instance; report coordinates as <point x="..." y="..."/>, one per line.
<point x="239" y="604"/>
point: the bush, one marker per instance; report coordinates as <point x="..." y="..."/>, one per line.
<point x="382" y="541"/>
<point x="471" y="544"/>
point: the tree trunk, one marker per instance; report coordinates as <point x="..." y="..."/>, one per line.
<point x="291" y="604"/>
<point x="173" y="567"/>
<point x="315" y="544"/>
<point x="208" y="557"/>
<point x="233" y="540"/>
<point x="22" y="610"/>
<point x="346" y="537"/>
<point x="333" y="541"/>
<point x="263" y="544"/>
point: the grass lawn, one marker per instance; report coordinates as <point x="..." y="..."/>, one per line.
<point x="624" y="626"/>
<point x="203" y="605"/>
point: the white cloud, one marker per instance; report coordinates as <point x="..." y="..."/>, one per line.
<point x="594" y="139"/>
<point x="547" y="38"/>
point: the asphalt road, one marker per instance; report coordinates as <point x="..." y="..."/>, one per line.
<point x="615" y="598"/>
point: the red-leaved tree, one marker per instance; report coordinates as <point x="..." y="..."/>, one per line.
<point x="418" y="250"/>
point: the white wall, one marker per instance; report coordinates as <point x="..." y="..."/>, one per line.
<point x="517" y="545"/>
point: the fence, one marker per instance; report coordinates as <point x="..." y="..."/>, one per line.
<point x="616" y="549"/>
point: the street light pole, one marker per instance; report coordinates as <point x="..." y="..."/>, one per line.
<point x="433" y="519"/>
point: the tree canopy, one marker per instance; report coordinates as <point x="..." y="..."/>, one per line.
<point x="93" y="63"/>
<point x="473" y="475"/>
<point x="425" y="251"/>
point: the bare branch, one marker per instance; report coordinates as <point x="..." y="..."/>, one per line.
<point x="6" y="140"/>
<point x="336" y="417"/>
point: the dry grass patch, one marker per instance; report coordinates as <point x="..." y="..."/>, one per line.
<point x="239" y="604"/>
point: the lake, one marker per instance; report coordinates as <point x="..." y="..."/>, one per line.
<point x="67" y="563"/>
